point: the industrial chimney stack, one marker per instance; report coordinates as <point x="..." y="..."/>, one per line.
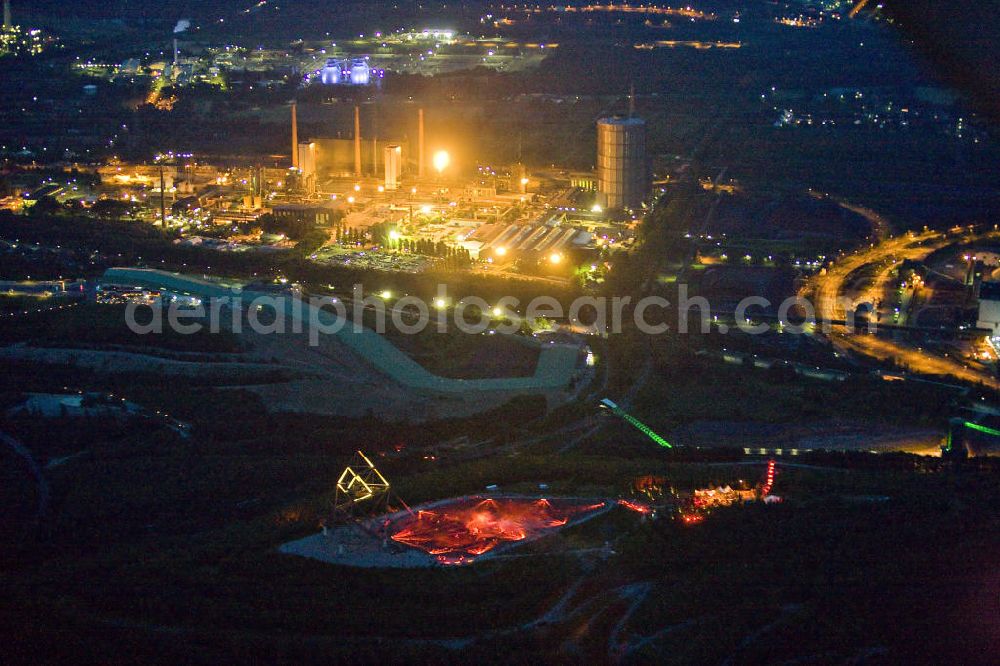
<point x="7" y="21"/>
<point x="295" y="136"/>
<point x="357" y="141"/>
<point x="421" y="158"/>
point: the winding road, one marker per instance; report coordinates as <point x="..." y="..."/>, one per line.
<point x="829" y="292"/>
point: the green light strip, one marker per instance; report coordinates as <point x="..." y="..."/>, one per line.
<point x="981" y="428"/>
<point x="645" y="429"/>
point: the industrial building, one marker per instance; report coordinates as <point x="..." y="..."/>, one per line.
<point x="393" y="161"/>
<point x="319" y="214"/>
<point x="622" y="168"/>
<point x="323" y="158"/>
<point x="521" y="239"/>
<point x="989" y="308"/>
<point x="326" y="158"/>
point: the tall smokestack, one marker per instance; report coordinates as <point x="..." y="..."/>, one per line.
<point x="7" y="22"/>
<point x="175" y="50"/>
<point x="357" y="141"/>
<point x="163" y="199"/>
<point x="420" y="143"/>
<point x="295" y="136"/>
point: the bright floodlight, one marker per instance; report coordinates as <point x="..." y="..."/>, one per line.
<point x="497" y="311"/>
<point x="357" y="188"/>
<point x="439" y="303"/>
<point x="393" y="235"/>
<point x="441" y="160"/>
<point x="555" y="257"/>
<point x="596" y="208"/>
<point x="386" y="294"/>
<point x="501" y="251"/>
<point x="525" y="181"/>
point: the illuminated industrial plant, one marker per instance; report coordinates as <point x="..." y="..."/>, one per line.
<point x="16" y="40"/>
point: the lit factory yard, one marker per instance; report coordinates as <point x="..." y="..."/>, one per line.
<point x="408" y="190"/>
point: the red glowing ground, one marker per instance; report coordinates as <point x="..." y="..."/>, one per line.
<point x="471" y="527"/>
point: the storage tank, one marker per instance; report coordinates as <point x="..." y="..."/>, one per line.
<point x="622" y="169"/>
<point x="331" y="72"/>
<point x="360" y="73"/>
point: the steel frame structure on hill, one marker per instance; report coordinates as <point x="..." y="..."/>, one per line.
<point x="361" y="485"/>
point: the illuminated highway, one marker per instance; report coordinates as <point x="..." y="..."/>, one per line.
<point x="830" y="301"/>
<point x="829" y="288"/>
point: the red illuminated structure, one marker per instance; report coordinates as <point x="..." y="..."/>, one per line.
<point x="769" y="480"/>
<point x="704" y="500"/>
<point x="470" y="527"/>
<point x="638" y="507"/>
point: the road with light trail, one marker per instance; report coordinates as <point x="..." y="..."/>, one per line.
<point x="829" y="292"/>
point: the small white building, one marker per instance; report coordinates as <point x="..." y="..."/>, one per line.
<point x="989" y="308"/>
